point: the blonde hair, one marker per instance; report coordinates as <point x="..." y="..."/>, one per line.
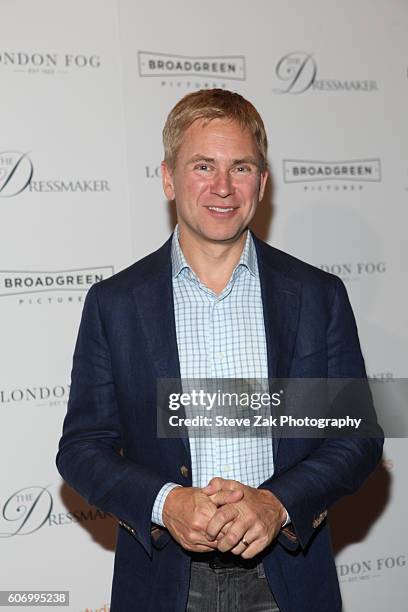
<point x="212" y="104"/>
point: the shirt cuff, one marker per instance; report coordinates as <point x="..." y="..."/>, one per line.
<point x="157" y="511"/>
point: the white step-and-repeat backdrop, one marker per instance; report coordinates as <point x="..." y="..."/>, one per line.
<point x="85" y="89"/>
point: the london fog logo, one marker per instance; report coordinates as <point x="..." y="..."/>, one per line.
<point x="38" y="396"/>
<point x="29" y="509"/>
<point x="17" y="172"/>
<point x="152" y="172"/>
<point x="169" y="67"/>
<point x="370" y="568"/>
<point x="344" y="175"/>
<point x="30" y="286"/>
<point x="357" y="270"/>
<point x="297" y="72"/>
<point x="37" y="62"/>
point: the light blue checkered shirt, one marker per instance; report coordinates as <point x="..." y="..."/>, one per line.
<point x="221" y="336"/>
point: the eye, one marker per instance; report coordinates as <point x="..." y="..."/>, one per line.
<point x="242" y="169"/>
<point x="202" y="167"/>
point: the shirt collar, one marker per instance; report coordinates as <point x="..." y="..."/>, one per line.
<point x="247" y="260"/>
<point x="178" y="261"/>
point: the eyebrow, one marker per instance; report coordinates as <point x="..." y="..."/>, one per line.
<point x="235" y="162"/>
<point x="246" y="160"/>
<point x="199" y="157"/>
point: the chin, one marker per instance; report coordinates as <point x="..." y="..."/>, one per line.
<point x="223" y="235"/>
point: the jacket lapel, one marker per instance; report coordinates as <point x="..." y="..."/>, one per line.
<point x="154" y="301"/>
<point x="281" y="301"/>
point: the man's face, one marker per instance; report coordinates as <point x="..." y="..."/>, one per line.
<point x="217" y="181"/>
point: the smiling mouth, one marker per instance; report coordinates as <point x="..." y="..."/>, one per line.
<point x="218" y="209"/>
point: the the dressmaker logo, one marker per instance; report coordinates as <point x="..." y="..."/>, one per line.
<point x="191" y="71"/>
<point x="316" y="175"/>
<point x="40" y="62"/>
<point x="17" y="176"/>
<point x="16" y="172"/>
<point x="350" y="271"/>
<point x="51" y="286"/>
<point x="297" y="72"/>
<point x="32" y="508"/>
<point x="370" y="568"/>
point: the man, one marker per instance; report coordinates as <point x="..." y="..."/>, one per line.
<point x="207" y="524"/>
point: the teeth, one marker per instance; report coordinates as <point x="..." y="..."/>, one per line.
<point x="220" y="209"/>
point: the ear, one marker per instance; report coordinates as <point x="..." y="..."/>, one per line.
<point x="167" y="181"/>
<point x="262" y="185"/>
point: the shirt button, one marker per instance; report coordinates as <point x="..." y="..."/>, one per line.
<point x="220" y="355"/>
<point x="226" y="468"/>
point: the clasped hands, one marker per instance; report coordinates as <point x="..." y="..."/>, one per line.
<point x="225" y="515"/>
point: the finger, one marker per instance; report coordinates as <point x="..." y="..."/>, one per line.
<point x="239" y="548"/>
<point x="253" y="549"/>
<point x="224" y="531"/>
<point x="233" y="536"/>
<point x="250" y="537"/>
<point x="224" y="515"/>
<point x="194" y="538"/>
<point x="257" y="544"/>
<point x="226" y="496"/>
<point x="198" y="548"/>
<point x="216" y="484"/>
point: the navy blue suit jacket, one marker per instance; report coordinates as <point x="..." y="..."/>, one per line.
<point x="110" y="454"/>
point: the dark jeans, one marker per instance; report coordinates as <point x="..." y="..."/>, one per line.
<point x="229" y="589"/>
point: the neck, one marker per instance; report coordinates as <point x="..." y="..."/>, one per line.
<point x="213" y="262"/>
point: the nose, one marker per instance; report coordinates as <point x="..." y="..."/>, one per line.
<point x="222" y="184"/>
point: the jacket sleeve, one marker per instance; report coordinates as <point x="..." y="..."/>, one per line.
<point x="89" y="456"/>
<point x="336" y="467"/>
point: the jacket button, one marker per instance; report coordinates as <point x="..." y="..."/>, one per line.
<point x="184" y="471"/>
